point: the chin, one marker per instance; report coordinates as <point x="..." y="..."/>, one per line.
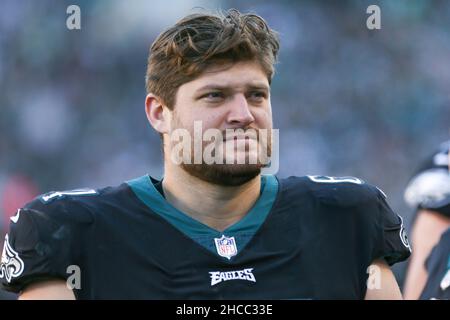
<point x="224" y="174"/>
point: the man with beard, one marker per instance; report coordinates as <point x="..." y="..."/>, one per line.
<point x="209" y="229"/>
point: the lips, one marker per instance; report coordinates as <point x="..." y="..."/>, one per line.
<point x="237" y="137"/>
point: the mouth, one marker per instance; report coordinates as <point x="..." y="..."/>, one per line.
<point x="238" y="137"/>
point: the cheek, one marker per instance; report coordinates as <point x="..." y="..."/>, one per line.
<point x="211" y="119"/>
<point x="204" y="119"/>
<point x="263" y="118"/>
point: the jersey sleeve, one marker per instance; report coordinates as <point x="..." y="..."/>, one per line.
<point x="378" y="229"/>
<point x="392" y="242"/>
<point x="40" y="244"/>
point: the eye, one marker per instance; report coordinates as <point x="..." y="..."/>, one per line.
<point x="258" y="96"/>
<point x="213" y="96"/>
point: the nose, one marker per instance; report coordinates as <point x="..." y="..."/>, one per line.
<point x="239" y="114"/>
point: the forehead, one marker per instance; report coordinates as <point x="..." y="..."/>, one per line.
<point x="240" y="74"/>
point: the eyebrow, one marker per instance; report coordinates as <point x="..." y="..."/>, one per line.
<point x="260" y="86"/>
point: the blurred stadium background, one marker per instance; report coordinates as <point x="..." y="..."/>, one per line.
<point x="347" y="100"/>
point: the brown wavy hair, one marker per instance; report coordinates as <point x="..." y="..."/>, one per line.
<point x="198" y="41"/>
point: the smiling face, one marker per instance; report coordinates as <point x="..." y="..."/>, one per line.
<point x="226" y="98"/>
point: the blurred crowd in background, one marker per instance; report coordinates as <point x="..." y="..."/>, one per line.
<point x="347" y="100"/>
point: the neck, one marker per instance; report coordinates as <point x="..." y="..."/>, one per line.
<point x="216" y="206"/>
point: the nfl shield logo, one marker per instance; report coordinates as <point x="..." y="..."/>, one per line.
<point x="226" y="246"/>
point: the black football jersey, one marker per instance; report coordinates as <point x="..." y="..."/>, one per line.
<point x="438" y="268"/>
<point x="308" y="237"/>
<point x="429" y="187"/>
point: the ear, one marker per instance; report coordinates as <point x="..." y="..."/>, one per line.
<point x="157" y="113"/>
